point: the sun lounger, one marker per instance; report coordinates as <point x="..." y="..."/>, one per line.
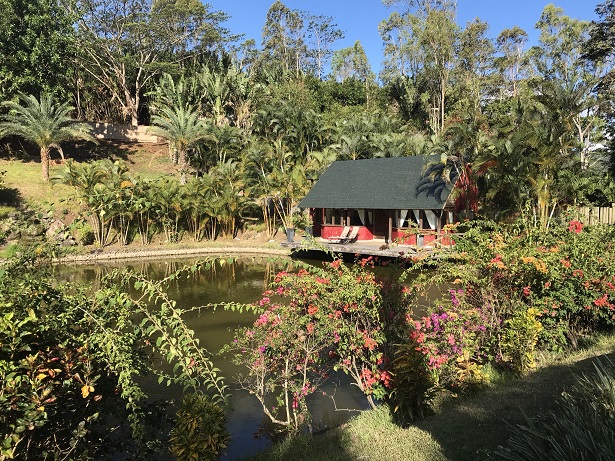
<point x="343" y="236"/>
<point x="352" y="237"/>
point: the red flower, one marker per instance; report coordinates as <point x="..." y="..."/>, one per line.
<point x="575" y="226"/>
<point x="601" y="302"/>
<point x="527" y="291"/>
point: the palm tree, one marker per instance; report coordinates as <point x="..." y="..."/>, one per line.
<point x="181" y="127"/>
<point x="44" y="123"/>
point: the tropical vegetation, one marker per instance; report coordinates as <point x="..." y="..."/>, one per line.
<point x="527" y="132"/>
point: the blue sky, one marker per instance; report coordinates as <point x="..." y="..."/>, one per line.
<point x="360" y="18"/>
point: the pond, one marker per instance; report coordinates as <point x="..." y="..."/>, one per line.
<point x="241" y="281"/>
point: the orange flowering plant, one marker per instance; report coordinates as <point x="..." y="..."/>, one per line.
<point x="513" y="289"/>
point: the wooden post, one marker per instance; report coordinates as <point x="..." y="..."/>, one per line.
<point x="390" y="235"/>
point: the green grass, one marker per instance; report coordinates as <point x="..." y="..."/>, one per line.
<point x="468" y="428"/>
<point x="24" y="183"/>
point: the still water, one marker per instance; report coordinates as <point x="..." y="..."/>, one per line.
<point x="241" y="281"/>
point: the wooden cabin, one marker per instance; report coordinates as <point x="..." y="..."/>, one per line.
<point x="389" y="199"/>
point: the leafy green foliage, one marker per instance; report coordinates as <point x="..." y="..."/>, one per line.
<point x="119" y="205"/>
<point x="517" y="289"/>
<point x="36" y="44"/>
<point x="72" y="363"/>
<point x="43" y="122"/>
<point x="200" y="430"/>
<point x="519" y="337"/>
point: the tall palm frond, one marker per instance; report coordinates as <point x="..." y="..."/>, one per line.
<point x="44" y="123"/>
<point x="182" y="129"/>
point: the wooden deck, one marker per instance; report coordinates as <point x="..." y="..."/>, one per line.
<point x="368" y="248"/>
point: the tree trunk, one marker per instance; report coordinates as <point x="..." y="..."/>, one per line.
<point x="45" y="162"/>
<point x="183" y="166"/>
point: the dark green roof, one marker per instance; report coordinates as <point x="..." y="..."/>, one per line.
<point x="384" y="183"/>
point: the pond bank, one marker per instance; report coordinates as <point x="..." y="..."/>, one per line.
<point x="113" y="254"/>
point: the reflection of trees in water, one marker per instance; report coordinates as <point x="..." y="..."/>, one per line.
<point x="217" y="279"/>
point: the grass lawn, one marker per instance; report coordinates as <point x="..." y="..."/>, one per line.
<point x="468" y="428"/>
<point x="23" y="178"/>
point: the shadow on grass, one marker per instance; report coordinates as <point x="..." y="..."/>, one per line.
<point x="17" y="149"/>
<point x="10" y="197"/>
<point x="329" y="445"/>
<point x="475" y="426"/>
<point x="470" y="428"/>
<point x="88" y="151"/>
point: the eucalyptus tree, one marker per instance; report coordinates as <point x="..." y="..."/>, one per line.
<point x="284" y="38"/>
<point x="474" y="85"/>
<point x="558" y="54"/>
<point x="512" y="62"/>
<point x="322" y="33"/>
<point x="43" y="122"/>
<point x="558" y="62"/>
<point x="124" y="44"/>
<point x="297" y="41"/>
<point x="429" y="35"/>
<point x="399" y="48"/>
<point x="352" y="63"/>
<point x="182" y="128"/>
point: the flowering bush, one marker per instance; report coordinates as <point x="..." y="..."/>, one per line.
<point x="517" y="288"/>
<point x="565" y="273"/>
<point x="313" y="322"/>
<point x="452" y="337"/>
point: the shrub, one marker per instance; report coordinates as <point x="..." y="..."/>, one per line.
<point x="200" y="430"/>
<point x="519" y="338"/>
<point x="83" y="232"/>
<point x="71" y="361"/>
<point x="454" y="340"/>
<point x="312" y="322"/>
<point x="517" y="288"/>
<point x="413" y="386"/>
